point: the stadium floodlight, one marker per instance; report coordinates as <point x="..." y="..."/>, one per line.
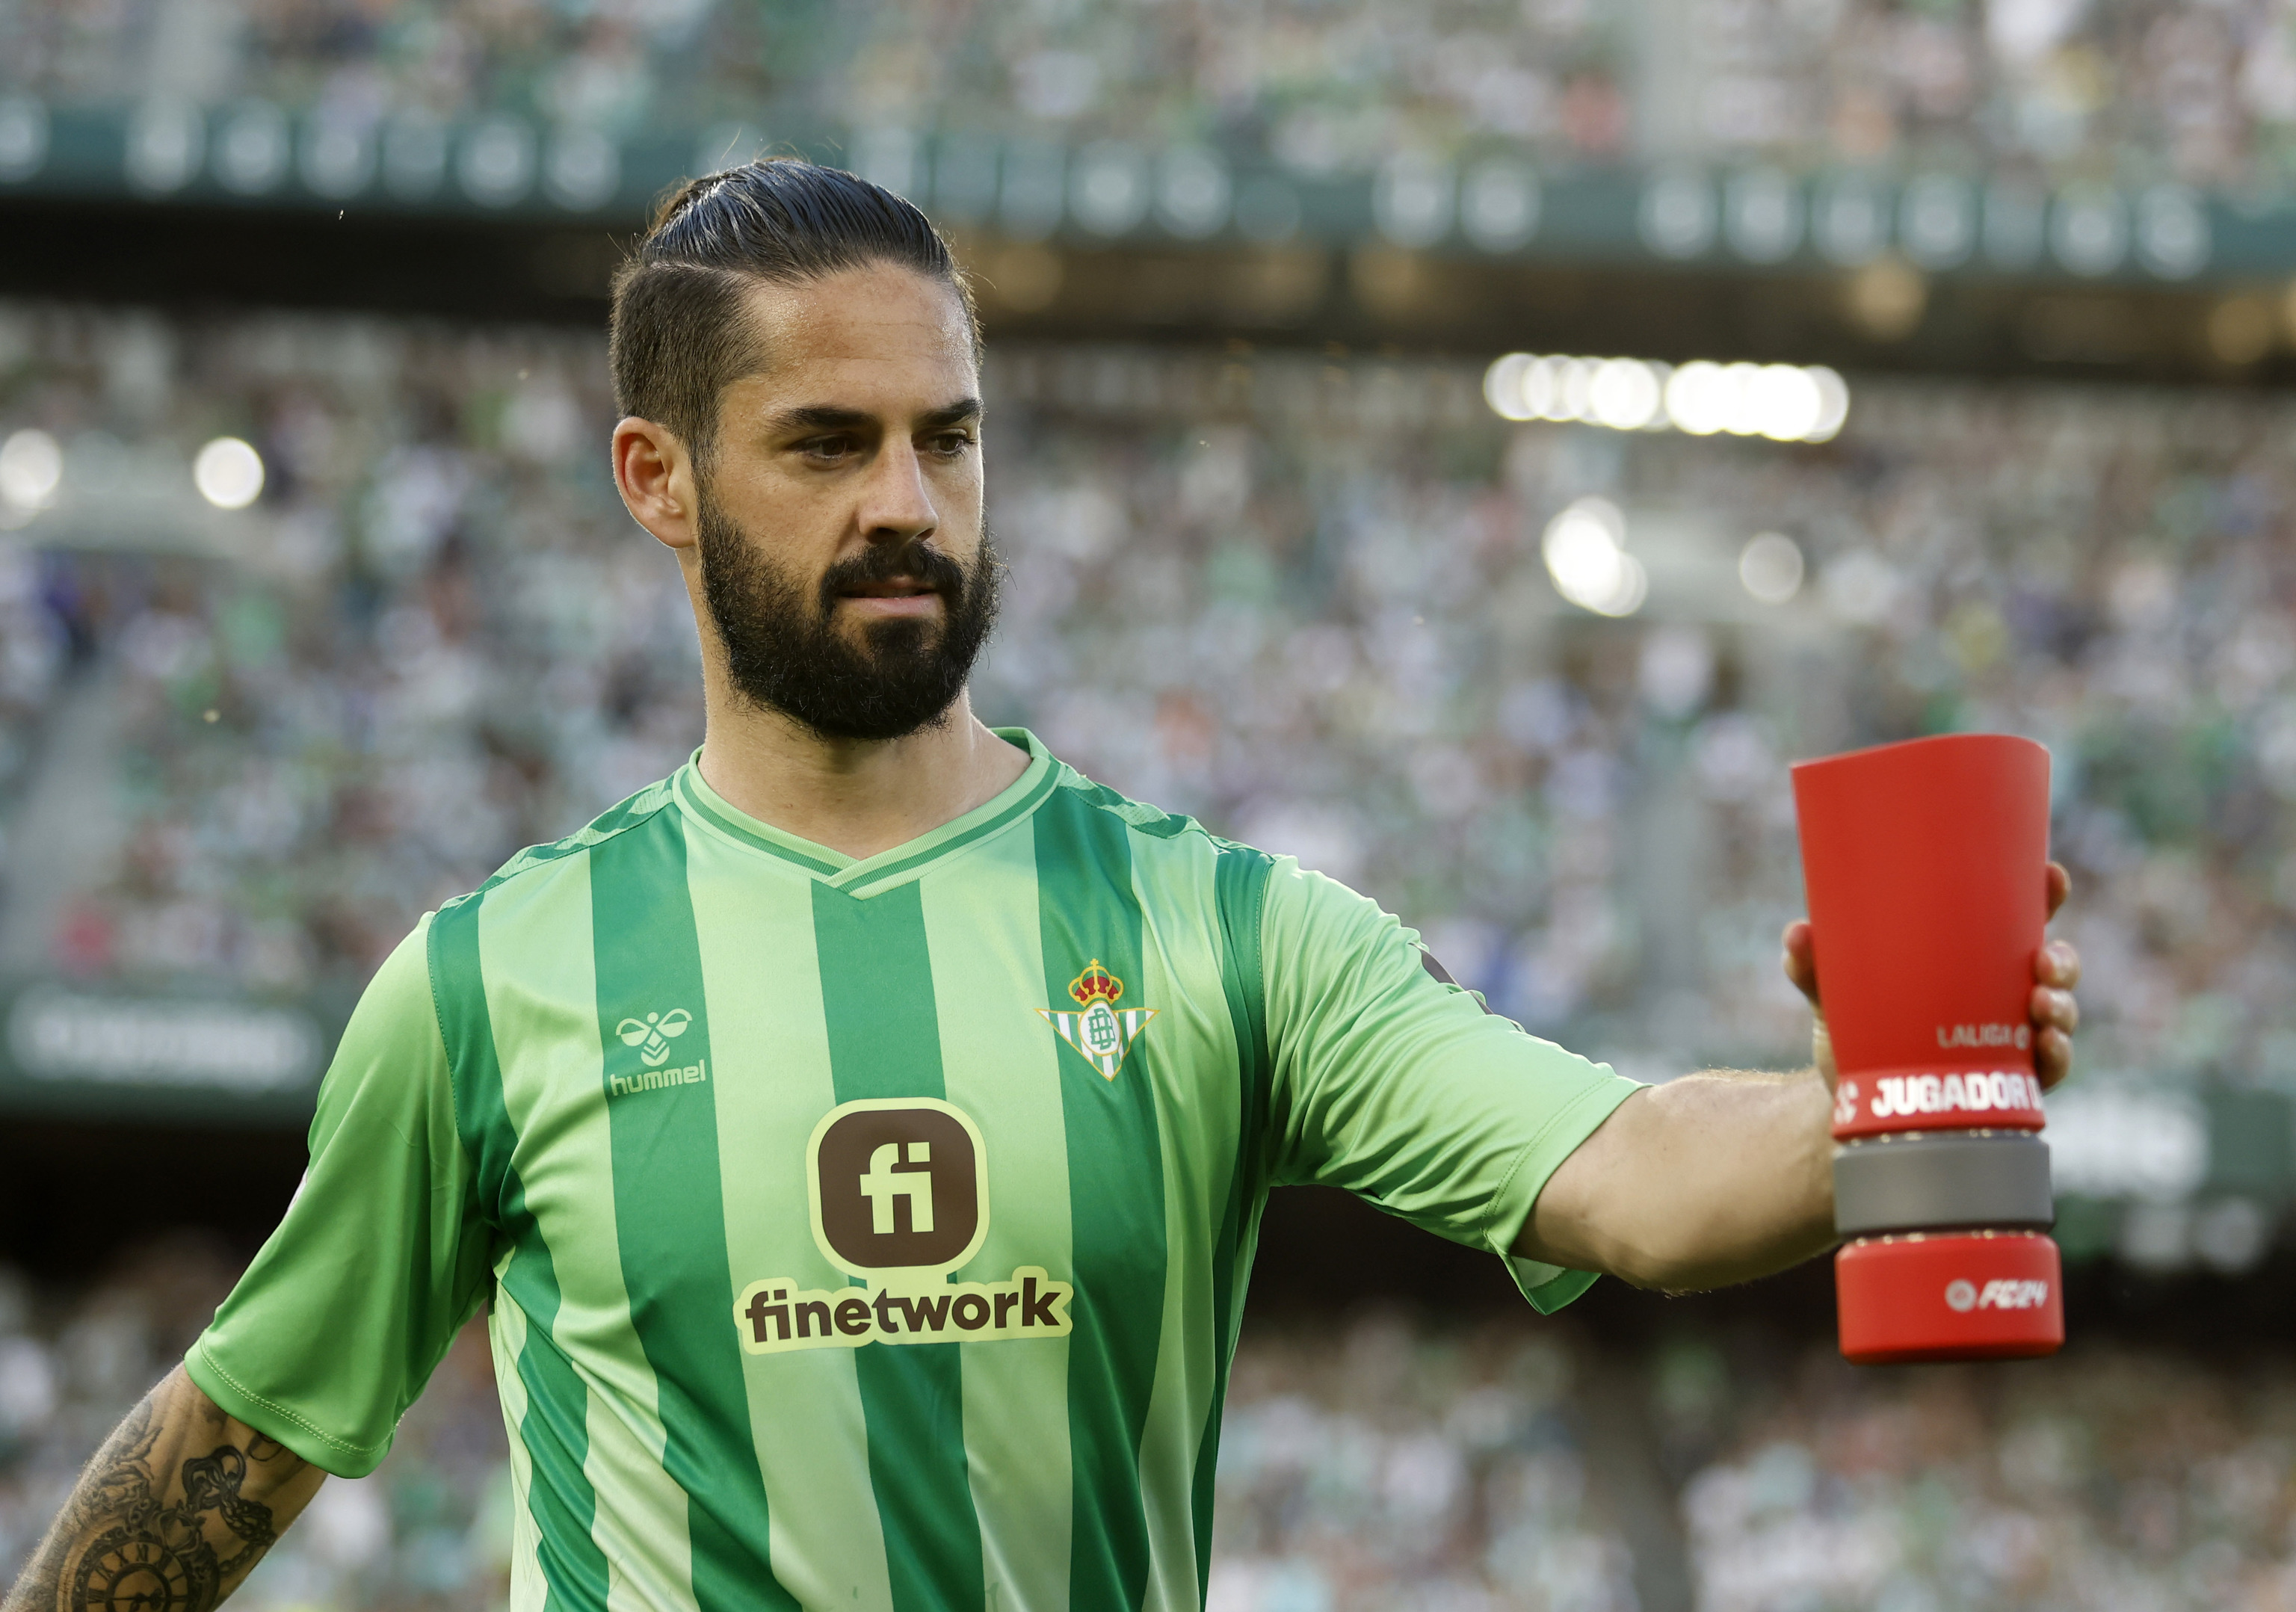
<point x="228" y="474"/>
<point x="1782" y="401"/>
<point x="1585" y="550"/>
<point x="1194" y="191"/>
<point x="1574" y="384"/>
<point x="1503" y="387"/>
<point x="31" y="470"/>
<point x="1770" y="567"/>
<point x="1110" y="188"/>
<point x="1542" y="388"/>
<point x="1835" y="393"/>
<point x="23" y="137"/>
<point x="1625" y="395"/>
<point x="252" y="149"/>
<point x="1697" y="398"/>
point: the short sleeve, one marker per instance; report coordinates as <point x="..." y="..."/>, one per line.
<point x="381" y="1258"/>
<point x="1401" y="1088"/>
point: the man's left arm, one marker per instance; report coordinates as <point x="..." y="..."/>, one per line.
<point x="1722" y="1177"/>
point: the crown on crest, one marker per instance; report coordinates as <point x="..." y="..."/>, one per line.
<point x="1095" y="984"/>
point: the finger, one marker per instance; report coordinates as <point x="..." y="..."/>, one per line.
<point x="2055" y="1010"/>
<point x="2058" y="963"/>
<point x="2060" y="885"/>
<point x="2052" y="1057"/>
<point x="1801" y="959"/>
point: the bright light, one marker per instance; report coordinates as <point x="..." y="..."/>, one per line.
<point x="1835" y="392"/>
<point x="1634" y="588"/>
<point x="1585" y="554"/>
<point x="228" y="474"/>
<point x="31" y="468"/>
<point x="1624" y="395"/>
<point x="1542" y="389"/>
<point x="1697" y="398"/>
<point x="1503" y="387"/>
<point x="1780" y="401"/>
<point x="1770" y="567"/>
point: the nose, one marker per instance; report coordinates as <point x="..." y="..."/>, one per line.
<point x="896" y="506"/>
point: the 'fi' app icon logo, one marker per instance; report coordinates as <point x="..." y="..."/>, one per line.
<point x="897" y="1186"/>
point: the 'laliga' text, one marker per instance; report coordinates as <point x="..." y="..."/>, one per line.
<point x="1972" y="1093"/>
<point x="1984" y="1036"/>
<point x="773" y="1317"/>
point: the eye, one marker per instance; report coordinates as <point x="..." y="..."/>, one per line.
<point x="948" y="444"/>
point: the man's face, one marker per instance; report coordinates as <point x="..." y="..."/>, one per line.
<point x="843" y="558"/>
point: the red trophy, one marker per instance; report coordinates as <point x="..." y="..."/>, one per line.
<point x="1926" y="867"/>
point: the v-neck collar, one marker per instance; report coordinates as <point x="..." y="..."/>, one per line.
<point x="864" y="876"/>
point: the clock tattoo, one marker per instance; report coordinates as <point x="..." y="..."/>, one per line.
<point x="154" y="1546"/>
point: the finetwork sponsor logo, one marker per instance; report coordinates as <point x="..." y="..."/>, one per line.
<point x="777" y="1316"/>
<point x="898" y="1189"/>
<point x="1896" y="1096"/>
<point x="1961" y="1296"/>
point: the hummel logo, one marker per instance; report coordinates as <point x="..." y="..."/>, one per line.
<point x="652" y="1035"/>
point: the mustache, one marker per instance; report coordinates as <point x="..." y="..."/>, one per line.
<point x="919" y="563"/>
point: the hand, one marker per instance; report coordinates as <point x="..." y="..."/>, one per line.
<point x="2055" y="1015"/>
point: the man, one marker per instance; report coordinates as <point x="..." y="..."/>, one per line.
<point x="858" y="1139"/>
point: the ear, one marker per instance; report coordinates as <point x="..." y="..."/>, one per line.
<point x="654" y="473"/>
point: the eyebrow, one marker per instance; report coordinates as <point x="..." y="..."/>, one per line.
<point x="830" y="417"/>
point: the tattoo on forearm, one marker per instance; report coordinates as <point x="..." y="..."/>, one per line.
<point x="130" y="1541"/>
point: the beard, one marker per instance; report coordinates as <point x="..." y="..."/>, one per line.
<point x="784" y="651"/>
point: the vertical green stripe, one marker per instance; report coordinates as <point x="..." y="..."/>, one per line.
<point x="884" y="1041"/>
<point x="554" y="1429"/>
<point x="1002" y="1064"/>
<point x="1196" y="1073"/>
<point x="1086" y="910"/>
<point x="771" y="1076"/>
<point x="542" y="994"/>
<point x="670" y="1214"/>
<point x="506" y="1332"/>
<point x="1240" y="884"/>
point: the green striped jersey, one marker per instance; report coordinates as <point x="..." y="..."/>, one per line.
<point x="867" y="1234"/>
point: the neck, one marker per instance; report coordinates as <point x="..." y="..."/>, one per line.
<point x="858" y="796"/>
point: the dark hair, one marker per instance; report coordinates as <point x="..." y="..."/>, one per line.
<point x="678" y="336"/>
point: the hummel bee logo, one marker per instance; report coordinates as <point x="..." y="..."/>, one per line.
<point x="652" y="1035"/>
<point x="1102" y="1032"/>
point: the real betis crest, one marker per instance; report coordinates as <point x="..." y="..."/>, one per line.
<point x="1101" y="1031"/>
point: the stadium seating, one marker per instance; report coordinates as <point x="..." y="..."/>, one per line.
<point x="1302" y="600"/>
<point x="2205" y="94"/>
<point x="1380" y="1465"/>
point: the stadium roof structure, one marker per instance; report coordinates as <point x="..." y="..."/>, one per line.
<point x="497" y="215"/>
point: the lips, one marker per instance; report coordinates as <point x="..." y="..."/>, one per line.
<point x="899" y="587"/>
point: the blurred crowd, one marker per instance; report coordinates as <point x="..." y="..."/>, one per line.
<point x="2106" y="1479"/>
<point x="1382" y="1466"/>
<point x="431" y="1529"/>
<point x="1301" y="597"/>
<point x="2200" y="90"/>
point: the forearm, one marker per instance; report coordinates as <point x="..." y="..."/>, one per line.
<point x="1708" y="1180"/>
<point x="171" y="1514"/>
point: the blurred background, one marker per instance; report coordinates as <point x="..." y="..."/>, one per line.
<point x="1473" y="445"/>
